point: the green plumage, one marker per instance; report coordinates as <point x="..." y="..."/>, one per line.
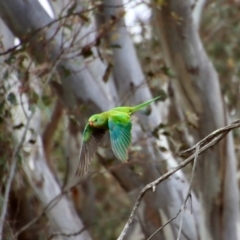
<point x="118" y="122"/>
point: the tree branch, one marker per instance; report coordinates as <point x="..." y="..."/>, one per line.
<point x="184" y="203"/>
<point x="11" y="175"/>
<point x="189" y="191"/>
<point x="50" y="205"/>
<point x="223" y="130"/>
<point x="209" y="141"/>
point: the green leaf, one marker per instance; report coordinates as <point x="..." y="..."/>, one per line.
<point x="155" y="133"/>
<point x="46" y="100"/>
<point x="163" y="149"/>
<point x="44" y="107"/>
<point x="163" y="95"/>
<point x="40" y="104"/>
<point x="10" y="59"/>
<point x="86" y="52"/>
<point x="67" y="26"/>
<point x="167" y="71"/>
<point x="18" y="126"/>
<point x="166" y="133"/>
<point x="6" y="114"/>
<point x="32" y="141"/>
<point x="66" y="71"/>
<point x="2" y="106"/>
<point x="48" y="113"/>
<point x="5" y="75"/>
<point x="116" y="46"/>
<point x="20" y="159"/>
<point x="162" y="125"/>
<point x="150" y="74"/>
<point x="33" y="97"/>
<point x="107" y="72"/>
<point x="84" y="17"/>
<point x="32" y="107"/>
<point x="12" y="98"/>
<point x="72" y="8"/>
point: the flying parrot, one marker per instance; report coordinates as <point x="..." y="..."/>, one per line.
<point x="118" y="122"/>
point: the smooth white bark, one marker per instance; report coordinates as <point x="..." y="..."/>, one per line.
<point x="197" y="12"/>
<point x="62" y="215"/>
<point x="198" y="91"/>
<point x="78" y="82"/>
<point x="128" y="73"/>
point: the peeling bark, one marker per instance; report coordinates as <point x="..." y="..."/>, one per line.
<point x="131" y="84"/>
<point x="62" y="215"/>
<point x="198" y="91"/>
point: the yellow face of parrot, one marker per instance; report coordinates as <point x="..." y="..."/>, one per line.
<point x="96" y="120"/>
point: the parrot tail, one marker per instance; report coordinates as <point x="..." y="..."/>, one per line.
<point x="140" y="106"/>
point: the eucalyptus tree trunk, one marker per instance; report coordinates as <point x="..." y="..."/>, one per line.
<point x="79" y="82"/>
<point x="61" y="213"/>
<point x="198" y="92"/>
<point x="133" y="86"/>
<point x="48" y="45"/>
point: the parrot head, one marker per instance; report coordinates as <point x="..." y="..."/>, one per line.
<point x="96" y="121"/>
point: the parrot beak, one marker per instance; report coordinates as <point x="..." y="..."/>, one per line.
<point x="91" y="123"/>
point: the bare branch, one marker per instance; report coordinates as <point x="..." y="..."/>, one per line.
<point x="189" y="191"/>
<point x="50" y="205"/>
<point x="223" y="130"/>
<point x="164" y="225"/>
<point x="28" y="38"/>
<point x="67" y="234"/>
<point x="72" y="14"/>
<point x="11" y="175"/>
<point x="209" y="141"/>
<point x="185" y="201"/>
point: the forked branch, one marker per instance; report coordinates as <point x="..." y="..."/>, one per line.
<point x="211" y="140"/>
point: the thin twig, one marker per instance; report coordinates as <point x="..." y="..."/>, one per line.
<point x="164" y="225"/>
<point x="94" y="223"/>
<point x="214" y="134"/>
<point x="189" y="191"/>
<point x="11" y="175"/>
<point x="34" y="32"/>
<point x="185" y="201"/>
<point x="218" y="135"/>
<point x="211" y="140"/>
<point x="49" y="206"/>
<point x="68" y="234"/>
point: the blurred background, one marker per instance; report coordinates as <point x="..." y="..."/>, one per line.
<point x="64" y="60"/>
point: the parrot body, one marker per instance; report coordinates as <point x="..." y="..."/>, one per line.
<point x="118" y="122"/>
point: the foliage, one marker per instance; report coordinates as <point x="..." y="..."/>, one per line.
<point x="108" y="200"/>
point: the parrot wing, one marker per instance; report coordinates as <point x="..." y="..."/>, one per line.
<point x="91" y="139"/>
<point x="120" y="126"/>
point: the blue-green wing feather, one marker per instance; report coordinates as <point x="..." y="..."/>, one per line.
<point x="120" y="134"/>
<point x="91" y="139"/>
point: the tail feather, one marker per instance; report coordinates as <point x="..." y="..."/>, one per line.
<point x="142" y="105"/>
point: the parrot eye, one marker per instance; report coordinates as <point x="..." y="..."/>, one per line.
<point x="95" y="120"/>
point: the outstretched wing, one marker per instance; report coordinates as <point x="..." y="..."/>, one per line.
<point x="120" y="134"/>
<point x="91" y="139"/>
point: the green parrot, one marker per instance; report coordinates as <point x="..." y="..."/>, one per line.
<point x="118" y="122"/>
